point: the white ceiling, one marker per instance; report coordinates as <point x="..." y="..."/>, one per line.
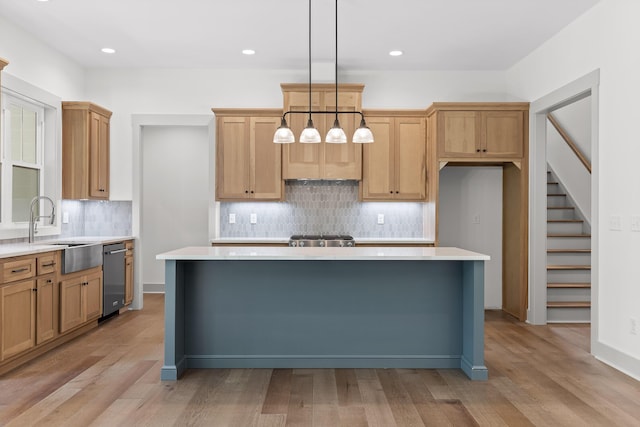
<point x="434" y="34"/>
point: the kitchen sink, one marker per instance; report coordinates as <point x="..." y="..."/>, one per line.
<point x="78" y="256"/>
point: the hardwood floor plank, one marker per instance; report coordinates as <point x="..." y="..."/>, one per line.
<point x="538" y="375"/>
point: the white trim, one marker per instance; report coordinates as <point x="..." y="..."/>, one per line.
<point x="623" y="362"/>
<point x="138" y="122"/>
<point x="576" y="90"/>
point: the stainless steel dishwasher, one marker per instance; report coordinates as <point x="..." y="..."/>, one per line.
<point x="113" y="278"/>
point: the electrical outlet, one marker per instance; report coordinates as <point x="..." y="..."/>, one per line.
<point x="253" y="218"/>
<point x="635" y="223"/>
<point x="232" y="218"/>
<point x="65" y="217"/>
<point x="476" y="219"/>
<point x="633" y="330"/>
<point x="380" y="218"/>
<point x="615" y="223"/>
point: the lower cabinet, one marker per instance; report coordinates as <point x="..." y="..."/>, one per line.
<point x="128" y="273"/>
<point x="80" y="298"/>
<point x="46" y="309"/>
<point x="18" y="315"/>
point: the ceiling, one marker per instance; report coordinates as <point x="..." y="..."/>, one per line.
<point x="434" y="34"/>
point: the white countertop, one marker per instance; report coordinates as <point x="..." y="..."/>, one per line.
<point x="285" y="240"/>
<point x="18" y="249"/>
<point x="345" y="254"/>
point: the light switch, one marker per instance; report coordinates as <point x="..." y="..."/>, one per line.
<point x="476" y="219"/>
<point x="380" y="218"/>
<point x="232" y="218"/>
<point x="65" y="217"/>
<point x="615" y="223"/>
<point x="253" y="218"/>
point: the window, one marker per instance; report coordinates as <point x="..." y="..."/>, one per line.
<point x="21" y="160"/>
<point x="30" y="155"/>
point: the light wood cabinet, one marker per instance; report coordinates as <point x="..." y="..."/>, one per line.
<point x="18" y="314"/>
<point x="128" y="273"/>
<point x="480" y="131"/>
<point x="248" y="163"/>
<point x="28" y="302"/>
<point x="85" y="151"/>
<point x="80" y="298"/>
<point x="394" y="166"/>
<point x="322" y="161"/>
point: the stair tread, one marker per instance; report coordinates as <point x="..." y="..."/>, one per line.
<point x="560" y="207"/>
<point x="561" y="251"/>
<point x="568" y="285"/>
<point x="568" y="235"/>
<point x="568" y="304"/>
<point x="568" y="267"/>
<point x="565" y="220"/>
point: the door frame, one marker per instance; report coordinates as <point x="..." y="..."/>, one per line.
<point x="587" y="85"/>
<point x="138" y="122"/>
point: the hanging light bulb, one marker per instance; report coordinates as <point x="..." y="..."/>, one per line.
<point x="363" y="134"/>
<point x="336" y="134"/>
<point x="283" y="134"/>
<point x="310" y="134"/>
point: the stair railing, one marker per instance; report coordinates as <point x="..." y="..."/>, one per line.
<point x="570" y="142"/>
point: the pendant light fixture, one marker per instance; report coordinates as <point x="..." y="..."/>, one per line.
<point x="310" y="134"/>
<point x="336" y="134"/>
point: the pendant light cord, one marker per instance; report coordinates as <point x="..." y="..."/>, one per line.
<point x="309" y="61"/>
<point x="336" y="62"/>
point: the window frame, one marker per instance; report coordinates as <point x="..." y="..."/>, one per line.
<point x="50" y="154"/>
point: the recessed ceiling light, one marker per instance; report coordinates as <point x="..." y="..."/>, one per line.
<point x="108" y="50"/>
<point x="396" y="53"/>
<point x="42" y="1"/>
<point x="248" y="52"/>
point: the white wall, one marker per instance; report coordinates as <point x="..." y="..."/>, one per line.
<point x="606" y="38"/>
<point x="36" y="63"/>
<point x="471" y="218"/>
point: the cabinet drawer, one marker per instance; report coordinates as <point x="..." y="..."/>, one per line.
<point x="47" y="264"/>
<point x="19" y="269"/>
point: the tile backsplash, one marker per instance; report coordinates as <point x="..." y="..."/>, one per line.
<point x="314" y="207"/>
<point x="96" y="218"/>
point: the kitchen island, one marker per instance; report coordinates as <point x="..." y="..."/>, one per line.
<point x="360" y="307"/>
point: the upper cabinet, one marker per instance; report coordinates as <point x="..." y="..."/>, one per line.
<point x="85" y="151"/>
<point x="394" y="166"/>
<point x="322" y="161"/>
<point x="248" y="163"/>
<point x="479" y="131"/>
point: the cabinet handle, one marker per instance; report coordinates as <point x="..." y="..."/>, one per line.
<point x="246" y="191"/>
<point x="20" y="270"/>
<point x="251" y="191"/>
<point x="51" y="264"/>
<point x="49" y="281"/>
<point x="484" y="150"/>
<point x="391" y="192"/>
<point x="477" y="150"/>
<point x="102" y="190"/>
<point x="397" y="192"/>
<point x="34" y="290"/>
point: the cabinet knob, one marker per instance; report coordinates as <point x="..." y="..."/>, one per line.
<point x="251" y="191"/>
<point x="34" y="290"/>
<point x="246" y="191"/>
<point x="484" y="150"/>
<point x="102" y="190"/>
<point x="477" y="150"/>
<point x="391" y="192"/>
<point x="397" y="192"/>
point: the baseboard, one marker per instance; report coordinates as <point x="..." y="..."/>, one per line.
<point x="153" y="288"/>
<point x="623" y="362"/>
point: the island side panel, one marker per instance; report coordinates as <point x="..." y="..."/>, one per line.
<point x="472" y="362"/>
<point x="174" y="356"/>
<point x="295" y="313"/>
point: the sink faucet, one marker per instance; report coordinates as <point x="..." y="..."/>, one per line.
<point x="33" y="218"/>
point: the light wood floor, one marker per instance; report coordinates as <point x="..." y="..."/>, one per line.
<point x="540" y="376"/>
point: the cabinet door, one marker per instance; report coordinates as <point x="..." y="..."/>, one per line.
<point x="71" y="303"/>
<point x="300" y="161"/>
<point x="342" y="161"/>
<point x="458" y="133"/>
<point x="128" y="280"/>
<point x="266" y="159"/>
<point x="93" y="296"/>
<point x="410" y="159"/>
<point x="47" y="312"/>
<point x="503" y="133"/>
<point x="18" y="315"/>
<point x="99" y="156"/>
<point x="378" y="161"/>
<point x="232" y="158"/>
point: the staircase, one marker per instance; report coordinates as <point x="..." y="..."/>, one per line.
<point x="568" y="259"/>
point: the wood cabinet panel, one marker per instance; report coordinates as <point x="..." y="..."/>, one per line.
<point x="85" y="151"/>
<point x="18" y="315"/>
<point x="248" y="163"/>
<point x="459" y="134"/>
<point x="394" y="166"/>
<point x="128" y="280"/>
<point x="80" y="299"/>
<point x="503" y="133"/>
<point x="47" y="309"/>
<point x="18" y="269"/>
<point x="93" y="296"/>
<point x="47" y="263"/>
